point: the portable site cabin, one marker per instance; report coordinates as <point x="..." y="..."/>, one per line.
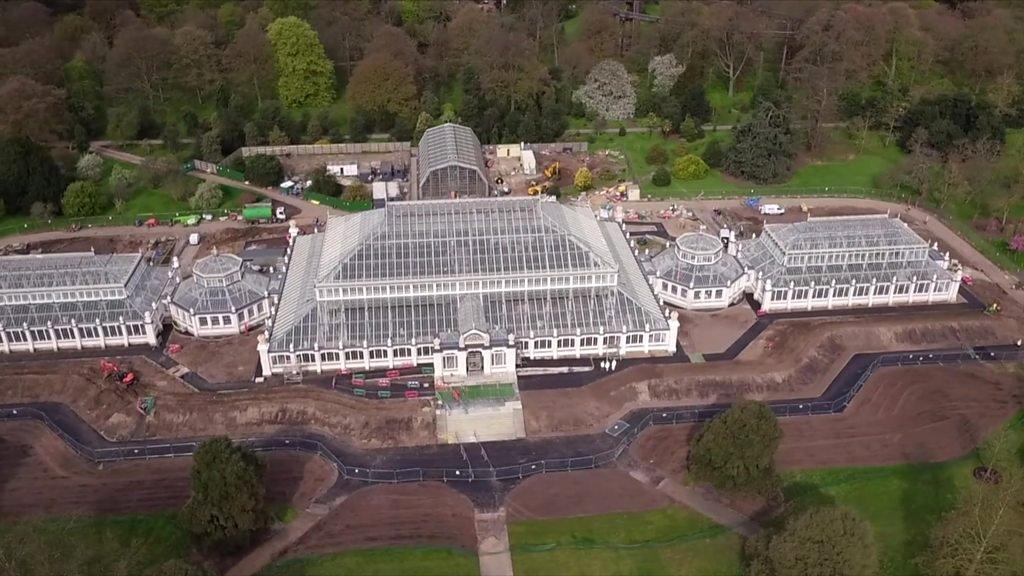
<point x="380" y="194"/>
<point x="529" y="163"/>
<point x="257" y="212"/>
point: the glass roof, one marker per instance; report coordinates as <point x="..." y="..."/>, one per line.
<point x="65" y="271"/>
<point x="448" y="144"/>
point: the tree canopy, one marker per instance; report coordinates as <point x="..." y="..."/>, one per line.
<point x="84" y="199"/>
<point x="762" y="150"/>
<point x="820" y="541"/>
<point x="226" y="507"/>
<point x="735" y="451"/>
<point x="305" y="77"/>
<point x="263" y="170"/>
<point x="27" y="174"/>
<point x="944" y="121"/>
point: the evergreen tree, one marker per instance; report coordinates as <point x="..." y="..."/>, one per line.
<point x="762" y="149"/>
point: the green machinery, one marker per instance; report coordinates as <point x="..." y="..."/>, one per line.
<point x="258" y="212"/>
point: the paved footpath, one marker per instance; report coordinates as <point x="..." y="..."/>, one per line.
<point x="272" y="549"/>
<point x="493" y="551"/>
<point x="700" y="501"/>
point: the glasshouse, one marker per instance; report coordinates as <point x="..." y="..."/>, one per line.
<point x="470" y="286"/>
<point x="830" y="262"/>
<point x="697" y="273"/>
<point x="221" y="297"/>
<point x="79" y="300"/>
<point x="451" y="164"/>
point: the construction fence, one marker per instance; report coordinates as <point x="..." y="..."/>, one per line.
<point x="624" y="432"/>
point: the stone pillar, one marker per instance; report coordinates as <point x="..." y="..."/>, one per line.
<point x="28" y="338"/>
<point x="831" y="292"/>
<point x="78" y="334"/>
<point x="263" y="347"/>
<point x="647" y="338"/>
<point x="53" y="334"/>
<point x="124" y="331"/>
<point x="391" y="354"/>
<point x="622" y="342"/>
<point x="600" y="340"/>
<point x="767" y="296"/>
<point x="99" y="333"/>
<point x="892" y="290"/>
<point x="316" y="357"/>
<point x="150" y="328"/>
<point x="673" y="331"/>
<point x="366" y="355"/>
<point x="5" y="347"/>
<point x="578" y="333"/>
<point x="554" y="345"/>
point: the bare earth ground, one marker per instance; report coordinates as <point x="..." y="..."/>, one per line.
<point x="806" y="356"/>
<point x="182" y="411"/>
<point x="232" y="240"/>
<point x="40" y="475"/>
<point x="912" y="414"/>
<point x="584" y="493"/>
<point x="221" y="359"/>
<point x="707" y="332"/>
<point x="427" y="513"/>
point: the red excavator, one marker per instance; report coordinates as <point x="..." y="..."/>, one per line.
<point x="111" y="370"/>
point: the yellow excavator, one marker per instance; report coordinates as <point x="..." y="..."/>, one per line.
<point x="536" y="189"/>
<point x="552" y="171"/>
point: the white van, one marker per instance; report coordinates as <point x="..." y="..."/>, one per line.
<point x="772" y="209"/>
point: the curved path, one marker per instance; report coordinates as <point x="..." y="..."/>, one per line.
<point x="505" y="460"/>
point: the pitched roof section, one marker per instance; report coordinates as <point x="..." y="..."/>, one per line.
<point x="435" y="240"/>
<point x="65" y="271"/>
<point x="448" y="144"/>
<point x="844" y="233"/>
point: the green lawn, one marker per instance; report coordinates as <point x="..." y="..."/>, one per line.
<point x="573" y="27"/>
<point x="479" y="392"/>
<point x="902" y="503"/>
<point x="728" y="109"/>
<point x="418" y="561"/>
<point x="667" y="541"/>
<point x="113" y="545"/>
<point x="346" y="205"/>
<point x="839" y="166"/>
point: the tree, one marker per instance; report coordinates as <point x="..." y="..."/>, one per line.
<point x="28" y="174"/>
<point x="84" y="199"/>
<point x="278" y="137"/>
<point x="713" y="155"/>
<point x="249" y="60"/>
<point x="984" y="533"/>
<point x="122" y="182"/>
<point x="383" y="97"/>
<point x="608" y="92"/>
<point x="734" y="33"/>
<point x="762" y="149"/>
<point x="656" y="155"/>
<point x="32" y="109"/>
<point x="690" y="130"/>
<point x="946" y="120"/>
<point x="322" y="182"/>
<point x="305" y="77"/>
<point x="685" y="99"/>
<point x="206" y="197"/>
<point x="820" y="541"/>
<point x="689" y="167"/>
<point x="356" y="192"/>
<point x="85" y="96"/>
<point x="735" y="451"/>
<point x="263" y="170"/>
<point x="1017" y="242"/>
<point x="140" y="63"/>
<point x="661" y="177"/>
<point x="42" y="210"/>
<point x="664" y="71"/>
<point x="89" y="167"/>
<point x="226" y="507"/>
<point x="583" y="180"/>
<point x="197" y="66"/>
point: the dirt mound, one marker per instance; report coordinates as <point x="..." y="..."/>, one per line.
<point x="182" y="411"/>
<point x="40" y="475"/>
<point x="394" y="515"/>
<point x="584" y="493"/>
<point x="913" y="414"/>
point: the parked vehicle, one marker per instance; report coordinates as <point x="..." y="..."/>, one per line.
<point x="771" y="210"/>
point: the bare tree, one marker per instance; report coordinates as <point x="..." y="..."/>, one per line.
<point x="140" y="63"/>
<point x="735" y="36"/>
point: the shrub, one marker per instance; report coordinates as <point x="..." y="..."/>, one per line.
<point x="121" y="181"/>
<point x="3" y="208"/>
<point x="656" y="155"/>
<point x="89" y="167"/>
<point x="226" y="507"/>
<point x="690" y="130"/>
<point x="661" y="177"/>
<point x="689" y="167"/>
<point x="736" y="450"/>
<point x="324" y="183"/>
<point x="583" y="180"/>
<point x="42" y="210"/>
<point x="156" y="170"/>
<point x="622" y="130"/>
<point x="356" y="192"/>
<point x="554" y="191"/>
<point x="263" y="170"/>
<point x="84" y="199"/>
<point x="180" y="187"/>
<point x="713" y="154"/>
<point x="206" y="197"/>
<point x="821" y="540"/>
